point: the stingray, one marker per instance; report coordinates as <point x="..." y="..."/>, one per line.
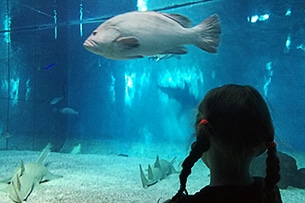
<point x="27" y="176"/>
<point x="160" y="170"/>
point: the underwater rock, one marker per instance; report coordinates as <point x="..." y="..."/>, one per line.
<point x="290" y="174"/>
<point x="299" y="179"/>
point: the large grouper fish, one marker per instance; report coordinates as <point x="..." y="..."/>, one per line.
<point x="147" y="33"/>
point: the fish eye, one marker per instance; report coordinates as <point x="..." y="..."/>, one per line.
<point x="94" y="33"/>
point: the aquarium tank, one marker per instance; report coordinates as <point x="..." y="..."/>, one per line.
<point x="92" y="108"/>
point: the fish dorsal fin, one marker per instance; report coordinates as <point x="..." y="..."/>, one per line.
<point x="16" y="188"/>
<point x="150" y="173"/>
<point x="44" y="153"/>
<point x="172" y="168"/>
<point x="143" y="178"/>
<point x="182" y="20"/>
<point x="21" y="168"/>
<point x="18" y="184"/>
<point x="157" y="163"/>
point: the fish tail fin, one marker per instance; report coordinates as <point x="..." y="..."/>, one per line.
<point x="209" y="34"/>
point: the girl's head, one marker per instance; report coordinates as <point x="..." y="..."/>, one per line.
<point x="237" y="119"/>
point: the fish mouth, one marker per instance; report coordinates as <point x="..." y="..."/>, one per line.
<point x="89" y="43"/>
<point x="92" y="46"/>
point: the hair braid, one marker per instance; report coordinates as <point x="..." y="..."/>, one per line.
<point x="272" y="174"/>
<point x="201" y="145"/>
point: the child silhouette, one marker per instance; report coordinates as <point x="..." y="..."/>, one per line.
<point x="233" y="126"/>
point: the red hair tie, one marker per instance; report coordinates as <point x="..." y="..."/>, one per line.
<point x="270" y="144"/>
<point x="204" y="122"/>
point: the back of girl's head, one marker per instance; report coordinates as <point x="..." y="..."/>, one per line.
<point x="238" y="117"/>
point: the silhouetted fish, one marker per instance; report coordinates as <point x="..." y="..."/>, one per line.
<point x="181" y="95"/>
<point x="56" y="100"/>
<point x="68" y="110"/>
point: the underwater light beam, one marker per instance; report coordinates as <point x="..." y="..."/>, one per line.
<point x="81" y="19"/>
<point x="129" y="88"/>
<point x="7" y="26"/>
<point x="142" y="5"/>
<point x="288" y="12"/>
<point x="55" y="22"/>
<point x="14" y="91"/>
<point x="288" y="44"/>
<point x="256" y="18"/>
<point x="268" y="78"/>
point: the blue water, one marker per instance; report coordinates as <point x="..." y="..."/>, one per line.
<point x="142" y="100"/>
<point x="52" y="90"/>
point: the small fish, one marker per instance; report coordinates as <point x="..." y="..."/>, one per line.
<point x="56" y="100"/>
<point x="68" y="110"/>
<point x="148" y="33"/>
<point x="123" y="155"/>
<point x="159" y="57"/>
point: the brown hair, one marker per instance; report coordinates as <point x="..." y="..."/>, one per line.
<point x="239" y="117"/>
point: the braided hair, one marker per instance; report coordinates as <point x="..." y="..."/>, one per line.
<point x="272" y="173"/>
<point x="239" y="117"/>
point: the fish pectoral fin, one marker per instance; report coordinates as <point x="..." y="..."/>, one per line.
<point x="49" y="176"/>
<point x="157" y="163"/>
<point x="128" y="42"/>
<point x="178" y="50"/>
<point x="6" y="181"/>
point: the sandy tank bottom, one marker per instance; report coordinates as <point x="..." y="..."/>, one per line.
<point x="97" y="178"/>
